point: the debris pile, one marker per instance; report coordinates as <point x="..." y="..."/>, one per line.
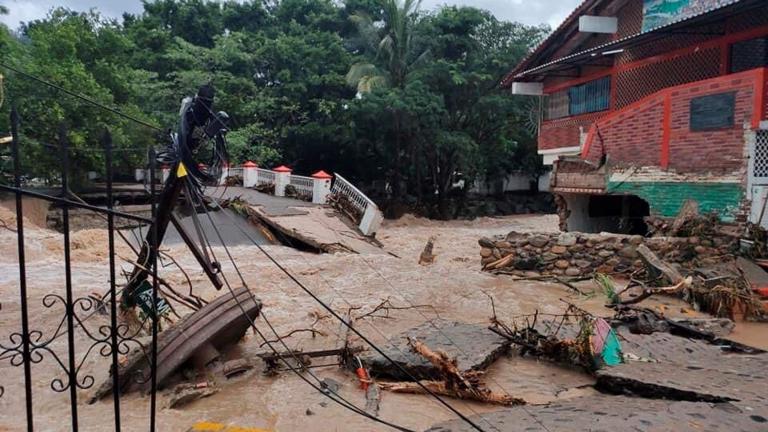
<point x="454" y="383"/>
<point x="578" y="254"/>
<point x="575" y="338"/>
<point x="345" y="206"/>
<point x="235" y="180"/>
<point x="448" y="358"/>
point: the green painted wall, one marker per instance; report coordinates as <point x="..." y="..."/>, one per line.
<point x="666" y="198"/>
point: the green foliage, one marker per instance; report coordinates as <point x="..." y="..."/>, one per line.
<point x="609" y="288"/>
<point x="376" y="89"/>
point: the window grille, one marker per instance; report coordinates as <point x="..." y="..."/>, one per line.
<point x="749" y="54"/>
<point x="760" y="166"/>
<point x="590" y="97"/>
<point x="557" y="105"/>
<point x="586" y="98"/>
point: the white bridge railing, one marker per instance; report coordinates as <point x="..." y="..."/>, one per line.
<point x="305" y="186"/>
<point x="315" y="189"/>
<point x="234" y="171"/>
<point x="372" y="216"/>
<point x="265" y="176"/>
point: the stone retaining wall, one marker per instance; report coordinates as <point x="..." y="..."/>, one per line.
<point x="579" y="254"/>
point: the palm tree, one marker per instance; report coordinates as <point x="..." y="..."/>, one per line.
<point x="396" y="53"/>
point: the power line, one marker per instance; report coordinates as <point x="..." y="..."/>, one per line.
<point x="323" y="389"/>
<point x="357" y="332"/>
<point x="82" y="97"/>
<point x="413" y="306"/>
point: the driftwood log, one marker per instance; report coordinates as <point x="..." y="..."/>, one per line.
<point x="427" y="255"/>
<point x="456" y="384"/>
<point x="658" y="268"/>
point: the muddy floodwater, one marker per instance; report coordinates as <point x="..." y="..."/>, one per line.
<point x="453" y="287"/>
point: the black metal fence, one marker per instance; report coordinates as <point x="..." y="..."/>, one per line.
<point x="33" y="343"/>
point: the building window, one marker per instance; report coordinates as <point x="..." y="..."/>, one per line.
<point x="581" y="99"/>
<point x="590" y="97"/>
<point x="558" y="105"/>
<point x="749" y="54"/>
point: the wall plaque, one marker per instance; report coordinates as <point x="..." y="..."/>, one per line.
<point x="713" y="111"/>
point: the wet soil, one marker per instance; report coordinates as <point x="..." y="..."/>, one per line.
<point x="453" y="286"/>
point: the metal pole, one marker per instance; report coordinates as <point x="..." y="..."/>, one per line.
<point x="154" y="317"/>
<point x="107" y="140"/>
<point x="22" y="270"/>
<point x="70" y="309"/>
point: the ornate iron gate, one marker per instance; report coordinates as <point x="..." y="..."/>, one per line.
<point x="32" y="344"/>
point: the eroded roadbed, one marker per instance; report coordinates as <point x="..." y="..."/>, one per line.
<point x="320" y="227"/>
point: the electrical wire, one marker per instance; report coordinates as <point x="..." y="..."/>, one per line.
<point x="81" y="97"/>
<point x="395" y="346"/>
<point x="431" y="323"/>
<point x="323" y="389"/>
<point x="357" y="332"/>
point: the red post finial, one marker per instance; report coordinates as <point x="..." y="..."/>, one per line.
<point x="282" y="168"/>
<point x="250" y="164"/>
<point x="322" y="175"/>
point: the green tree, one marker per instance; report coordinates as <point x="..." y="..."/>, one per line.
<point x="395" y="44"/>
<point x="375" y="89"/>
<point x="80" y="52"/>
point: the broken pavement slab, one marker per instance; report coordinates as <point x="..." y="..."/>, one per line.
<point x="686" y="369"/>
<point x="474" y="347"/>
<point x="755" y="275"/>
<point x="741" y="381"/>
<point x="616" y="413"/>
<point x="318" y="226"/>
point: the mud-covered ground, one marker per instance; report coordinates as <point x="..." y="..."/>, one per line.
<point x="453" y="286"/>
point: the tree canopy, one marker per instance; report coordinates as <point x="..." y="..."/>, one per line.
<point x="379" y="90"/>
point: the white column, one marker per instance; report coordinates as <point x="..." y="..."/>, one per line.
<point x="372" y="219"/>
<point x="282" y="179"/>
<point x="249" y="174"/>
<point x="321" y="187"/>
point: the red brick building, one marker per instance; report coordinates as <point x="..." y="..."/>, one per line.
<point x="645" y="104"/>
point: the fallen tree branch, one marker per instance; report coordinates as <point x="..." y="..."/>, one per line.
<point x="647" y="292"/>
<point x="293" y="332"/>
<point x="386" y="306"/>
<point x="465" y="385"/>
<point x="4" y="224"/>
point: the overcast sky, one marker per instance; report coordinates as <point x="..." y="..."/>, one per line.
<point x="551" y="12"/>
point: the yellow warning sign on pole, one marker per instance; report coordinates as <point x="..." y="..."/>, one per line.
<point x="181" y="171"/>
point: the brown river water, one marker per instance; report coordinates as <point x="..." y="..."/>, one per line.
<point x="453" y="285"/>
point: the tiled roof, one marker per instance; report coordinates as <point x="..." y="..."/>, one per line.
<point x="519" y="73"/>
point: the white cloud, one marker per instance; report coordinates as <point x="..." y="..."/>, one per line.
<point x="28" y="10"/>
<point x="22" y="11"/>
<point x="532" y="12"/>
